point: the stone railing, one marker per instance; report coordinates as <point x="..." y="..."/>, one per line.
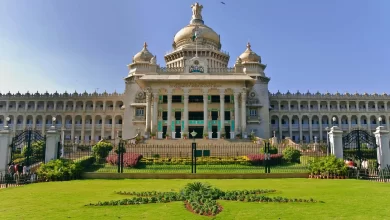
<point x="328" y="95"/>
<point x="170" y="69"/>
<point x="222" y="70"/>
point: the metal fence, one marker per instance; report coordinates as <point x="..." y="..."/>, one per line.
<point x="210" y="158"/>
<point x="8" y="179"/>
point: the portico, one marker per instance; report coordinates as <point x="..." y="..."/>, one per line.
<point x="188" y="102"/>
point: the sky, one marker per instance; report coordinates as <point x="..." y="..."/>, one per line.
<point x="86" y="45"/>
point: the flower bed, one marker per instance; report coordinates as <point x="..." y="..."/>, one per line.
<point x="241" y="160"/>
<point x="129" y="159"/>
<point x="200" y="198"/>
<point x="258" y="159"/>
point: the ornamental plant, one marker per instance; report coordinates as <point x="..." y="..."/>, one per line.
<point x="129" y="159"/>
<point x="101" y="150"/>
<point x="200" y="198"/>
<point x="291" y="155"/>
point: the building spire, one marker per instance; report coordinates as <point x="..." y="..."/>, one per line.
<point x="145" y="45"/>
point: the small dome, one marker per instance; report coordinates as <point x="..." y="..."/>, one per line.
<point x="144" y="55"/>
<point x="249" y="55"/>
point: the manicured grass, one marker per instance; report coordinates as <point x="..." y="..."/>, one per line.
<point x="107" y="168"/>
<point x="343" y="199"/>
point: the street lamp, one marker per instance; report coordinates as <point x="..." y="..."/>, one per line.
<point x="53" y="121"/>
<point x="7" y="119"/>
<point x="334" y="121"/>
<point x="193" y="134"/>
<point x="380" y="121"/>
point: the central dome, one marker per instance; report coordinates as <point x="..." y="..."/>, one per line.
<point x="206" y="35"/>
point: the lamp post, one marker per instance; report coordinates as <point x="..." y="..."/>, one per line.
<point x="193" y="134"/>
<point x="53" y="122"/>
<point x="333" y="121"/>
<point x="380" y="121"/>
<point x="193" y="153"/>
<point x="7" y="119"/>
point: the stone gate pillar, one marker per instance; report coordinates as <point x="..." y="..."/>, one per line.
<point x="336" y="142"/>
<point x="383" y="150"/>
<point x="52" y="139"/>
<point x="5" y="153"/>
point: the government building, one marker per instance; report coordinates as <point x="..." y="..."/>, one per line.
<point x="195" y="91"/>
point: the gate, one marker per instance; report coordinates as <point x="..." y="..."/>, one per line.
<point x="360" y="146"/>
<point x="28" y="148"/>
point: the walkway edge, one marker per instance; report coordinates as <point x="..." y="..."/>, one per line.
<point x="90" y="175"/>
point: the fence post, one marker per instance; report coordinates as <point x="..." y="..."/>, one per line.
<point x="5" y="150"/>
<point x="383" y="150"/>
<point x="336" y="142"/>
<point x="52" y="139"/>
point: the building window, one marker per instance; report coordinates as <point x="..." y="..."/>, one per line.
<point x="120" y="121"/>
<point x="273" y="121"/>
<point x="176" y="99"/>
<point x="253" y="112"/>
<point x="139" y="112"/>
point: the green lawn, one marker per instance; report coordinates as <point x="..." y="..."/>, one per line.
<point x="343" y="199"/>
<point x="296" y="168"/>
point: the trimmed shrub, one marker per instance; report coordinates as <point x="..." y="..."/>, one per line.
<point x="326" y="166"/>
<point x="59" y="170"/>
<point x="86" y="161"/>
<point x="101" y="150"/>
<point x="258" y="159"/>
<point x="129" y="159"/>
<point x="291" y="155"/>
<point x="241" y="160"/>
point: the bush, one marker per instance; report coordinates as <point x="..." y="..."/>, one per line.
<point x="59" y="170"/>
<point x="272" y="150"/>
<point x="86" y="162"/>
<point x="258" y="159"/>
<point x="101" y="150"/>
<point x="326" y="166"/>
<point x="129" y="159"/>
<point x="291" y="155"/>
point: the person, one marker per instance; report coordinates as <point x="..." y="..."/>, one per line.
<point x="365" y="164"/>
<point x="20" y="169"/>
<point x="11" y="169"/>
<point x="24" y="170"/>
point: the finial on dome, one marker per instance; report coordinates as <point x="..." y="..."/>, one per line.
<point x="145" y="45"/>
<point x="248" y="46"/>
<point x="196" y="13"/>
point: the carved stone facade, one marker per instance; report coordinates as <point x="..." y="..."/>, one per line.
<point x="196" y="91"/>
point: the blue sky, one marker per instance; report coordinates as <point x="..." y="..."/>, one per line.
<point x="333" y="45"/>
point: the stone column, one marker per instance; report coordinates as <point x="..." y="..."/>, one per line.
<point x="52" y="139"/>
<point x="243" y="114"/>
<point x="5" y="141"/>
<point x="155" y="112"/>
<point x="169" y="113"/>
<point x="93" y="139"/>
<point x="205" y="112"/>
<point x="383" y="150"/>
<point x="148" y="113"/>
<point x="222" y="110"/>
<point x="336" y="142"/>
<point x="83" y="129"/>
<point x="185" y="116"/>
<point x="236" y="113"/>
